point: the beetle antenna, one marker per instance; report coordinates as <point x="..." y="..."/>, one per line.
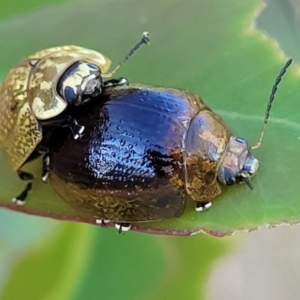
<point x="271" y="99"/>
<point x="145" y="40"/>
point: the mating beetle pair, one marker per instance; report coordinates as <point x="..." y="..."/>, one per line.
<point x="144" y="151"/>
<point x="38" y="93"/>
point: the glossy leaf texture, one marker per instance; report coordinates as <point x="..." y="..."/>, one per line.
<point x="209" y="47"/>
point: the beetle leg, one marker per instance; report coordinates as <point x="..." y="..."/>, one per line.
<point x="65" y="121"/>
<point x="122" y="227"/>
<point x="20" y="200"/>
<point x="41" y="149"/>
<point x="102" y="222"/>
<point x="203" y="205"/>
<point x="45" y="168"/>
<point x="115" y="82"/>
<point x="76" y="129"/>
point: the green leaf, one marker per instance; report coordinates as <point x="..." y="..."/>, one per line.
<point x="190" y="262"/>
<point x="14" y="7"/>
<point x="81" y="262"/>
<point x="211" y="48"/>
<point x="57" y="266"/>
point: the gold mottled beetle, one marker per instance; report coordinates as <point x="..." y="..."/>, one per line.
<point x="145" y="152"/>
<point x="38" y="92"/>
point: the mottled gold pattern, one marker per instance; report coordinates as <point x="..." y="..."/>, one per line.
<point x="206" y="145"/>
<point x="119" y="206"/>
<point x="34" y="79"/>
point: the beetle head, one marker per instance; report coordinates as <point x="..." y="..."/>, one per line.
<point x="238" y="163"/>
<point x="80" y="82"/>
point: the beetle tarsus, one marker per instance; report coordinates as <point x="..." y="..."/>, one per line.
<point x="65" y="121"/>
<point x="122" y="227"/>
<point x="45" y="168"/>
<point x="202" y="206"/>
<point x="20" y="200"/>
<point x="102" y="222"/>
<point x="76" y="129"/>
<point x="115" y="82"/>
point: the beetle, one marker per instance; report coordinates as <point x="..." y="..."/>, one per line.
<point x="38" y="93"/>
<point x="145" y="151"/>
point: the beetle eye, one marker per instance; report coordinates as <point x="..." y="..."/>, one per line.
<point x="94" y="67"/>
<point x="69" y="95"/>
<point x="240" y="140"/>
<point x="229" y="177"/>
